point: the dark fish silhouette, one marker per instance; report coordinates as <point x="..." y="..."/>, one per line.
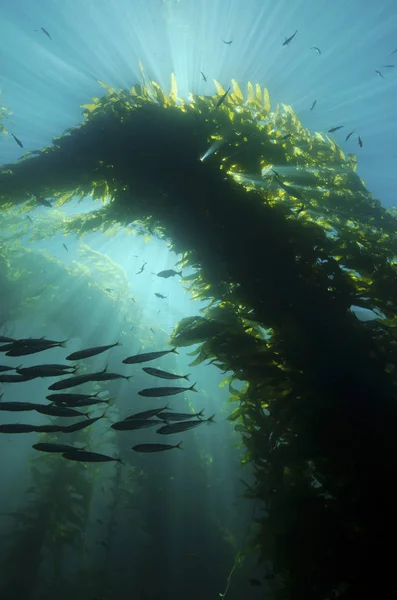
<point x="43" y="201"/>
<point x="360" y="142"/>
<point x="145" y="414"/>
<point x="46" y="32"/>
<point x="183" y="426"/>
<point x="335" y="128"/>
<point x="160" y="296"/>
<point x="169" y="273"/>
<point x="131" y="424"/>
<point x="155" y="447"/>
<point x="386" y="66"/>
<point x="203" y="76"/>
<point x="228" y="43"/>
<point x="17" y="140"/>
<point x="313" y="105"/>
<point x="288" y="40"/>
<point x="349" y="135"/>
<point x="84" y="456"/>
<point x="30" y="218"/>
<point x="142" y="268"/>
<point x="380" y="74"/>
<point x="222" y="98"/>
<point x="163" y="374"/>
<point x="66" y="248"/>
<point x="88" y="352"/>
<point x="52" y="447"/>
<point x="146" y="356"/>
<point x="165" y="391"/>
<point x="316" y="49"/>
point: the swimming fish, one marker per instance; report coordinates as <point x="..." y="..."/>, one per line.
<point x="66" y="248"/>
<point x="316" y="49"/>
<point x="46" y="32"/>
<point x="165" y="391"/>
<point x="228" y="43"/>
<point x="171" y="416"/>
<point x="43" y="201"/>
<point x="49" y="447"/>
<point x="169" y="273"/>
<point x="349" y="135"/>
<point x="146" y="356"/>
<point x="64" y="384"/>
<point x="4" y="368"/>
<point x="183" y="426"/>
<point x="288" y="40"/>
<point x="69" y="398"/>
<point x="160" y="296"/>
<point x="142" y="268"/>
<point x="17" y="140"/>
<point x="81" y="424"/>
<point x="17" y="406"/>
<point x="84" y="456"/>
<point x="146" y="414"/>
<point x="14" y="378"/>
<point x="58" y="411"/>
<point x="222" y="98"/>
<point x="203" y="76"/>
<point x="380" y="74"/>
<point x="155" y="447"/>
<point x="130" y="424"/>
<point x="164" y="374"/>
<point x="80" y="354"/>
<point x="313" y="105"/>
<point x="360" y="142"/>
<point x="17" y="428"/>
<point x="335" y="128"/>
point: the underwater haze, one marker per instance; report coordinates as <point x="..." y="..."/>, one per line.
<point x="93" y="507"/>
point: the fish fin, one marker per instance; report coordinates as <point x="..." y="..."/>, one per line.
<point x="129" y="377"/>
<point x="120" y="461"/>
<point x="187" y="376"/>
<point x="174" y="350"/>
<point x="118" y="343"/>
<point x="105" y="369"/>
<point x="180" y="273"/>
<point x="211" y="419"/>
<point x="63" y="343"/>
<point x="178" y="446"/>
<point x="201" y="413"/>
<point x="192" y="387"/>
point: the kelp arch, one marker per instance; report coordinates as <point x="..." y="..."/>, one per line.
<point x="284" y="238"/>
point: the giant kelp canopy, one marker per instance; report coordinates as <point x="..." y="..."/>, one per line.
<point x="284" y="238"/>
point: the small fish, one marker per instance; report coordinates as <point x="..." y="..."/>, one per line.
<point x="155" y="447"/>
<point x="58" y="411"/>
<point x="30" y="218"/>
<point x="17" y="428"/>
<point x="48" y="428"/>
<point x="69" y="398"/>
<point x="335" y="128"/>
<point x="313" y="105"/>
<point x="66" y="248"/>
<point x="222" y="98"/>
<point x="316" y="49"/>
<point x="160" y="296"/>
<point x="3" y="368"/>
<point x="379" y="73"/>
<point x="146" y="414"/>
<point x="228" y="43"/>
<point x="25" y="350"/>
<point x="81" y="424"/>
<point x="165" y="391"/>
<point x="169" y="273"/>
<point x="288" y="40"/>
<point x="255" y="582"/>
<point x="133" y="299"/>
<point x="146" y="356"/>
<point x="203" y="76"/>
<point x="131" y="424"/>
<point x="142" y="268"/>
<point x="171" y="416"/>
<point x="349" y="135"/>
<point x="84" y="456"/>
<point x="164" y="374"/>
<point x="110" y="376"/>
<point x="43" y="201"/>
<point x="49" y="447"/>
<point x="69" y="382"/>
<point x="17" y="406"/>
<point x="360" y="142"/>
<point x="183" y="426"/>
<point x="386" y="66"/>
<point x="17" y="140"/>
<point x="14" y="378"/>
<point x="90" y="352"/>
<point x="46" y="32"/>
<point x="44" y="371"/>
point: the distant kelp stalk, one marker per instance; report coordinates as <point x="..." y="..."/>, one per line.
<point x="284" y="238"/>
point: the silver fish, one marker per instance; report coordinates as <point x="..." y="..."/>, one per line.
<point x="146" y="356"/>
<point x="155" y="447"/>
<point x="90" y="352"/>
<point x="170" y="416"/>
<point x="183" y="426"/>
<point x="164" y="374"/>
<point x="84" y="456"/>
<point x="146" y="414"/>
<point x="131" y="424"/>
<point x="165" y="391"/>
<point x="48" y="447"/>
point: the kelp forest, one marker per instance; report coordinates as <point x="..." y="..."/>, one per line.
<point x="283" y="239"/>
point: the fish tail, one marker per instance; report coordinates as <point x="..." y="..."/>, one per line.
<point x="118" y="343"/>
<point x="211" y="419"/>
<point x="201" y="413"/>
<point x="193" y="388"/>
<point x="178" y="446"/>
<point x="63" y="343"/>
<point x="187" y="376"/>
<point x="129" y="377"/>
<point x="180" y="273"/>
<point x="174" y="350"/>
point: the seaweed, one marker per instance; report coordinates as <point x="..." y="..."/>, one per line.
<point x="284" y="239"/>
